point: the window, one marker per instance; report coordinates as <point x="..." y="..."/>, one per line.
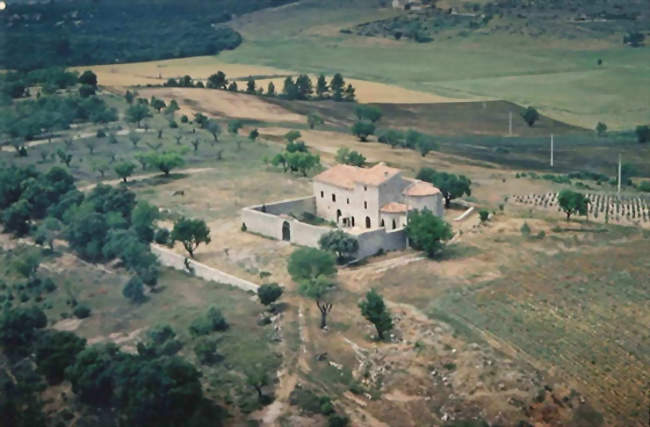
<point x="365" y="205"/>
<point x="348" y="201"/>
<point x="394" y="225"/>
<point x="382" y="223"/>
<point x="333" y="197"/>
<point x="322" y="194"/>
<point x="352" y="221"/>
<point x="365" y="188"/>
<point x="368" y="222"/>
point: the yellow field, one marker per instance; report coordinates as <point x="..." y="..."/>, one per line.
<point x="200" y="67"/>
<point x="157" y="72"/>
<point x="221" y="103"/>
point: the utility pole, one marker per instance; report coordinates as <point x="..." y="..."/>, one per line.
<point x="619" y="174"/>
<point x="510" y="123"/>
<point x="551" y="150"/>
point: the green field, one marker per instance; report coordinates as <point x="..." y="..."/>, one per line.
<point x="559" y="76"/>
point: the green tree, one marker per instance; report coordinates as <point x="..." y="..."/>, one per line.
<point x="290" y="89"/>
<point x="319" y="289"/>
<point x="201" y="120"/>
<point x="217" y="81"/>
<point x="134" y="137"/>
<point x="47" y="231"/>
<point x="306" y="264"/>
<point x="16" y="218"/>
<point x="234" y="126"/>
<point x="215" y="130"/>
<point x="337" y="85"/>
<point x="88" y="78"/>
<point x="124" y="170"/>
<point x="86" y="90"/>
<point x="530" y="116"/>
<point x="292" y="135"/>
<point x="302" y="162"/>
<point x="345" y="156"/>
<point x="27" y="263"/>
<point x="165" y="161"/>
<point x="483" y="214"/>
<point x="172" y="108"/>
<point x="64" y="157"/>
<point x="375" y="311"/>
<point x="391" y="137"/>
<point x="56" y="350"/>
<point x="270" y="91"/>
<point x="451" y="186"/>
<point x="134" y="290"/>
<point x="296" y="146"/>
<point x="572" y="202"/>
<point x="304" y="86"/>
<point x="159" y="341"/>
<point x="253" y="134"/>
<point x="269" y="293"/>
<point x="314" y="120"/>
<point x="18" y="327"/>
<point x="257" y="377"/>
<point x="191" y="233"/>
<point x="601" y="129"/>
<point x="341" y="243"/>
<point x="250" y="86"/>
<point x="143" y="217"/>
<point x="136" y="113"/>
<point x="643" y="134"/>
<point x="363" y="130"/>
<point x="157" y="104"/>
<point x="368" y="112"/>
<point x="322" y="88"/>
<point x="350" y="93"/>
<point x="205" y="350"/>
<point x="232" y="87"/>
<point x="426" y="232"/>
<point x="212" y="320"/>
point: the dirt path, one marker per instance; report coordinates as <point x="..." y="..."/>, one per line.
<point x="143" y="176"/>
<point x="84" y="135"/>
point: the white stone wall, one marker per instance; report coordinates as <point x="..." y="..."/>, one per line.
<point x="400" y="220"/>
<point x="359" y="203"/>
<point x="370" y="242"/>
<point x="434" y="203"/>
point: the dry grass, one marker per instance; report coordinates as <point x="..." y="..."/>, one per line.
<point x="221" y="103"/>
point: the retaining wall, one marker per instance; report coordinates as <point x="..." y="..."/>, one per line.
<point x="372" y="241"/>
<point x="169" y="258"/>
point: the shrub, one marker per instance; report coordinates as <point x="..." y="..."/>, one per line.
<point x="525" y="229"/>
<point x="101" y="133"/>
<point x="483" y="214"/>
<point x="206" y="351"/>
<point x="211" y="321"/>
<point x="184" y="119"/>
<point x="644" y="186"/>
<point x="337" y="420"/>
<point x="173" y="124"/>
<point x="162" y="236"/>
<point x="81" y="311"/>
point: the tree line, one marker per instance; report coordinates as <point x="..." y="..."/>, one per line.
<point x="300" y="88"/>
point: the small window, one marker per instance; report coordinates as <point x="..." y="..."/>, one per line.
<point x="382" y="223"/>
<point x="322" y="194"/>
<point x="365" y="188"/>
<point x="333" y="197"/>
<point x="394" y="225"/>
<point x="365" y="205"/>
<point x="348" y="201"/>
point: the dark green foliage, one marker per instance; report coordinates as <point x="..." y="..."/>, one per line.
<point x="137" y="112"/>
<point x="269" y="293"/>
<point x="291" y="136"/>
<point x="55" y="351"/>
<point x="572" y="202"/>
<point x="483" y="214"/>
<point x="322" y="88"/>
<point x="337" y="420"/>
<point x="354" y="158"/>
<point x="86" y="90"/>
<point x="191" y="233"/>
<point x="72" y="33"/>
<point x="634" y="39"/>
<point x="530" y="116"/>
<point x="311" y="403"/>
<point x="253" y="135"/>
<point x="644" y="186"/>
<point x="375" y="311"/>
<point x="217" y="81"/>
<point x="234" y="126"/>
<point x="451" y="186"/>
<point x="296" y="147"/>
<point x="643" y="134"/>
<point x="211" y="321"/>
<point x="143" y="217"/>
<point x="162" y="236"/>
<point x="16" y="218"/>
<point x="363" y="130"/>
<point x="18" y="327"/>
<point x="124" y="170"/>
<point x="88" y="78"/>
<point x="159" y="341"/>
<point x="371" y="113"/>
<point x="306" y="264"/>
<point x="165" y="161"/>
<point x="205" y="350"/>
<point x="337" y="86"/>
<point x="342" y="244"/>
<point x="426" y="232"/>
<point x="81" y="311"/>
<point x="302" y="162"/>
<point x="134" y="290"/>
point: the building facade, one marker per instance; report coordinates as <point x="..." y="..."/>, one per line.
<point x="368" y="198"/>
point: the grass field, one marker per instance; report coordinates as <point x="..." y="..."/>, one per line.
<point x="554" y="74"/>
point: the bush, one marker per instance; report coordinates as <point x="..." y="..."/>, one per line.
<point x="206" y="351"/>
<point x="525" y="229"/>
<point x="184" y="119"/>
<point x="101" y="133"/>
<point x="483" y="214"/>
<point x="173" y="124"/>
<point x="337" y="420"/>
<point x="81" y="311"/>
<point x="211" y="321"/>
<point x="644" y="186"/>
<point x="162" y="236"/>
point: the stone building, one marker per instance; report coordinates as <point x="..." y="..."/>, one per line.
<point x="372" y="204"/>
<point x="374" y="197"/>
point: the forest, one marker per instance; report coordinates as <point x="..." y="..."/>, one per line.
<point x="101" y="32"/>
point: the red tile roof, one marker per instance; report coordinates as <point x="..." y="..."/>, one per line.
<point x="394" y="207"/>
<point x="347" y="176"/>
<point x="420" y="188"/>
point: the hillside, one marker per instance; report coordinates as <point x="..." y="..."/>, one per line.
<point x="89" y="32"/>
